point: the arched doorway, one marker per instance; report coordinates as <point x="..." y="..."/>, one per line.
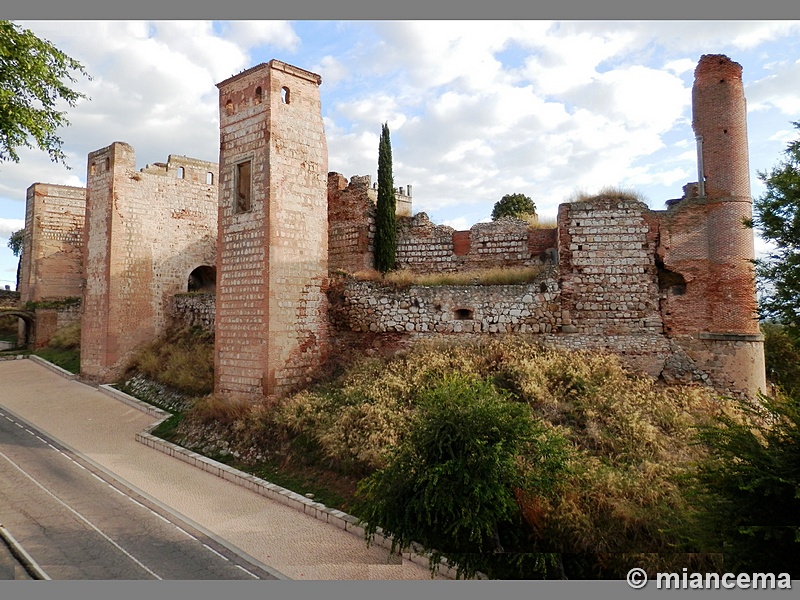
<point x="203" y="279"/>
<point x="25" y="326"/>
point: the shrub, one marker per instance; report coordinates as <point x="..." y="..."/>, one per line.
<point x="750" y="485"/>
<point x="451" y="483"/>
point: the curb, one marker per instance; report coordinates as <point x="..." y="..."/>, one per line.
<point x="55" y="368"/>
<point x="30" y="565"/>
<point x="317" y="510"/>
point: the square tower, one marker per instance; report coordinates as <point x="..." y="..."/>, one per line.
<point x="272" y="254"/>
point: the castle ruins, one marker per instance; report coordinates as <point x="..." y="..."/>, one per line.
<point x="264" y="238"/>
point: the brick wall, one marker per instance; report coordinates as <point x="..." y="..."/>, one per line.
<point x="271" y="328"/>
<point x="146" y="231"/>
<point x="52" y="254"/>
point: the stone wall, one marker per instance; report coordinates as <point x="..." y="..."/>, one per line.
<point x="364" y="306"/>
<point x="607" y="262"/>
<point x="52" y="253"/>
<point x="146" y="231"/>
<point x="194" y="310"/>
<point x="9" y="299"/>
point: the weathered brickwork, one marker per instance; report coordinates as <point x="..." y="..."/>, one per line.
<point x="607" y="261"/>
<point x="146" y="231"/>
<point x="271" y="325"/>
<point x="351" y="223"/>
<point x="52" y="253"/>
<point x="49" y="320"/>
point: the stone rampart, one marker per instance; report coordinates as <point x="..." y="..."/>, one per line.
<point x="195" y="309"/>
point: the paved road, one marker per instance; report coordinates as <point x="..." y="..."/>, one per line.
<point x="77" y="523"/>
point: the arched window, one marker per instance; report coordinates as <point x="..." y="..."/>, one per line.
<point x="209" y="178"/>
<point x="285" y="95"/>
<point x="181" y="172"/>
<point x="259" y="97"/>
<point x="229" y="107"/>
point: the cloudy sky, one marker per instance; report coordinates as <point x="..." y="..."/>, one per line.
<point x="476" y="109"/>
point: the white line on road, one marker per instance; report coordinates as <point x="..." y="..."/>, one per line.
<point x="80" y="516"/>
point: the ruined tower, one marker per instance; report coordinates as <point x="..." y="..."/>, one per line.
<point x="272" y="259"/>
<point x="146" y="231"/>
<point x="708" y="284"/>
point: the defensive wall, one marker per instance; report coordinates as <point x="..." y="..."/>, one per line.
<point x="671" y="291"/>
<point x="147" y="230"/>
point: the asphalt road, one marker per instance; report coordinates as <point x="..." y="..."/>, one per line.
<point x="77" y="523"/>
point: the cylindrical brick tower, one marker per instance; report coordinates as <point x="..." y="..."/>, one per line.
<point x="720" y="123"/>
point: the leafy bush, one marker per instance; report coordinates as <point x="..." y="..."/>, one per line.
<point x="450" y="484"/>
<point x="750" y="485"/>
<point x="782" y="358"/>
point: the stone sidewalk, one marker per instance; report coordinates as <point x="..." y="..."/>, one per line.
<point x="104" y="429"/>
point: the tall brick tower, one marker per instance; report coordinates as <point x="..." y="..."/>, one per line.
<point x="720" y="123"/>
<point x="272" y="255"/>
<point x="708" y="300"/>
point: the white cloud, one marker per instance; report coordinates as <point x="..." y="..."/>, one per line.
<point x="9" y="226"/>
<point x="249" y="34"/>
<point x="331" y="70"/>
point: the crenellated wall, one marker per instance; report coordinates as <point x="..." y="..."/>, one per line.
<point x="146" y="231"/>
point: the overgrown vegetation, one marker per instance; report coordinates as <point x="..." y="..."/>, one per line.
<point x="518" y="461"/>
<point x="182" y="359"/>
<point x="776" y="215"/>
<point x="610" y="192"/>
<point x="404" y="278"/>
<point x="750" y="487"/>
<point x="63" y="349"/>
<point x="570" y="464"/>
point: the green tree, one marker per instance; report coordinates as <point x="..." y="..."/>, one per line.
<point x="15" y="242"/>
<point x="34" y="79"/>
<point x="514" y="205"/>
<point x="451" y="484"/>
<point x="776" y="215"/>
<point x="385" y="218"/>
<point x="751" y="487"/>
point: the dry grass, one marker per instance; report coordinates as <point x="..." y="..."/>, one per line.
<point x="537" y="222"/>
<point x="67" y="338"/>
<point x="183" y="360"/>
<point x="610" y="192"/>
<point x="404" y="278"/>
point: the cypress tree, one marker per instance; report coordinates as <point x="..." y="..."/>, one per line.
<point x="385" y="218"/>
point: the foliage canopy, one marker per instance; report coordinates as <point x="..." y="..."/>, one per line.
<point x="513" y="205"/>
<point x="776" y="215"/>
<point x="385" y="218"/>
<point x="34" y="78"/>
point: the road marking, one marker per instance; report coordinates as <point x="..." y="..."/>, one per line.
<point x="210" y="549"/>
<point x="80" y="516"/>
<point x="254" y="576"/>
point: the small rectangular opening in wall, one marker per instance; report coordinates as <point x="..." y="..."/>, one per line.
<point x="243" y="186"/>
<point x="463" y="314"/>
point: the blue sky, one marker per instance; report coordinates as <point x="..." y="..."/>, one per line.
<point x="476" y="109"/>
